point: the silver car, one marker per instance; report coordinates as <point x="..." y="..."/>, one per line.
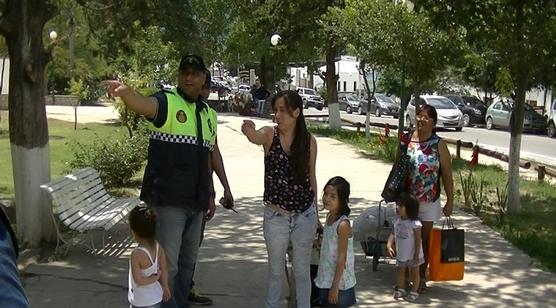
<point x="449" y="116"/>
<point x="499" y="114"/>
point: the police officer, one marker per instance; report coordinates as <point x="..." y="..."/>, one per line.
<point x="176" y="181"/>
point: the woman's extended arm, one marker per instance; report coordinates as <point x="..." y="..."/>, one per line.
<point x="262" y="136"/>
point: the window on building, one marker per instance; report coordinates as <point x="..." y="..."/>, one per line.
<point x="338" y="86"/>
<point x="345" y="86"/>
<point x="355" y="86"/>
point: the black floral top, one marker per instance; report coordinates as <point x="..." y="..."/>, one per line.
<point x="279" y="185"/>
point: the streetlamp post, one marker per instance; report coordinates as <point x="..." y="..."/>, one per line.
<point x="53" y="36"/>
<point x="274" y="40"/>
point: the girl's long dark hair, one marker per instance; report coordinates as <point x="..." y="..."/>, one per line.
<point x="301" y="145"/>
<point x="343" y="190"/>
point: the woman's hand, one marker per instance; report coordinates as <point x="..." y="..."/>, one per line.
<point x="333" y="295"/>
<point x="448" y="208"/>
<point x="247" y="126"/>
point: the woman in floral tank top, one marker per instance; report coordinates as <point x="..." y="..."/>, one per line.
<point x="290" y="185"/>
<point x="431" y="161"/>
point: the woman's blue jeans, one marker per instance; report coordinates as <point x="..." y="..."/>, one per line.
<point x="279" y="231"/>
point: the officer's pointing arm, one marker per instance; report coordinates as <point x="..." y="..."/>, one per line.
<point x="147" y="106"/>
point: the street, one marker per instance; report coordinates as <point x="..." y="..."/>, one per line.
<point x="533" y="146"/>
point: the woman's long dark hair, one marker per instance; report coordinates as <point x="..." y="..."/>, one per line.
<point x="301" y="145"/>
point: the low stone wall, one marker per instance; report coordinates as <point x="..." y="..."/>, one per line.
<point x="61" y="100"/>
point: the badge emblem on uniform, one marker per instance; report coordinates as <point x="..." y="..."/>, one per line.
<point x="181" y="117"/>
<point x="209" y="122"/>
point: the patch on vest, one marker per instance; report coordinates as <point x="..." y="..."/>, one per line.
<point x="181" y="117"/>
<point x="211" y="128"/>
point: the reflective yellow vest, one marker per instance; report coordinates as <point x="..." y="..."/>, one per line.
<point x="177" y="168"/>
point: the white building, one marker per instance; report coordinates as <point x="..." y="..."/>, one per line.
<point x="350" y="80"/>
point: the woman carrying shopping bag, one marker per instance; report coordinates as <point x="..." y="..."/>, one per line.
<point x="430" y="161"/>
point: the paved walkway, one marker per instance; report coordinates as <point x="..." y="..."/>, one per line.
<point x="232" y="261"/>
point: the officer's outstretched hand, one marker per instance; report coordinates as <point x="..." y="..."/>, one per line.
<point x="116" y="88"/>
<point x="211" y="209"/>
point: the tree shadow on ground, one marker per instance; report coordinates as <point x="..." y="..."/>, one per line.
<point x="232" y="267"/>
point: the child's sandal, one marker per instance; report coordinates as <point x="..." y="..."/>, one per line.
<point x="399" y="293"/>
<point x="411" y="296"/>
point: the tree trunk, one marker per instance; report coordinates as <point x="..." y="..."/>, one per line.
<point x="23" y="28"/>
<point x="544" y="109"/>
<point x="370" y="95"/>
<point x="334" y="119"/>
<point x="516" y="119"/>
<point x="516" y="126"/>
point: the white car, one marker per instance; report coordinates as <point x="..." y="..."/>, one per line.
<point x="449" y="115"/>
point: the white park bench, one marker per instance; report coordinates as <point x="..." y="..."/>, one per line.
<point x="82" y="204"/>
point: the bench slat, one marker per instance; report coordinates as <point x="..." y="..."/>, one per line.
<point x="74" y="188"/>
<point x="126" y="208"/>
<point x="80" y="174"/>
<point x="84" y="209"/>
<point x="85" y="220"/>
<point x="109" y="216"/>
<point x="74" y="200"/>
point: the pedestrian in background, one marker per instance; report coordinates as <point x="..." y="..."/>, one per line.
<point x="217" y="164"/>
<point x="430" y="161"/>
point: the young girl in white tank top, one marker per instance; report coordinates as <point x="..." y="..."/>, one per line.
<point x="148" y="274"/>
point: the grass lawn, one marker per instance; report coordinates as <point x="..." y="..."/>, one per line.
<point x="533" y="230"/>
<point x="61" y="135"/>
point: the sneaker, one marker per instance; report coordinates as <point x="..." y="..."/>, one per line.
<point x="197" y="299"/>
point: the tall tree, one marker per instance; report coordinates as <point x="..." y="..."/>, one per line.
<point x="334" y="42"/>
<point x="521" y="34"/>
<point x="372" y="27"/>
<point x="21" y="24"/>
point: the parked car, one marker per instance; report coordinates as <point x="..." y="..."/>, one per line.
<point x="310" y="98"/>
<point x="384" y="104"/>
<point x="499" y="114"/>
<point x="352" y="103"/>
<point x="473" y="109"/>
<point x="449" y="116"/>
<point x="551" y="129"/>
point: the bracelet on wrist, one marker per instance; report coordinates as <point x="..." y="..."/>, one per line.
<point x="212" y="194"/>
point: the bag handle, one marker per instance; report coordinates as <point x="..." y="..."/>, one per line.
<point x="448" y="222"/>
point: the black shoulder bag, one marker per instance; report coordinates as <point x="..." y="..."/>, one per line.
<point x="397" y="179"/>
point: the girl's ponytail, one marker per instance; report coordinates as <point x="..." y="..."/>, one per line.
<point x="142" y="221"/>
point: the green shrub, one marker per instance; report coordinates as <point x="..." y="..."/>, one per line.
<point x="117" y="161"/>
<point x="88" y="90"/>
